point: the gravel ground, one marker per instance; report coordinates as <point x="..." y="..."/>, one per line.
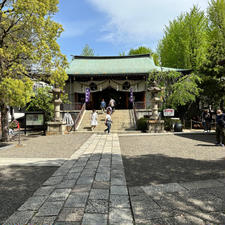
<point x="171" y="158"/>
<point x="17" y="184"/>
<point x="46" y="146"/>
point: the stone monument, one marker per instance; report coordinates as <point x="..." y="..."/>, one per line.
<point x="57" y="126"/>
<point x="155" y="125"/>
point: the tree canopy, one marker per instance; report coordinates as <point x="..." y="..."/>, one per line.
<point x="28" y="49"/>
<point x="87" y="51"/>
<point x="184" y="43"/>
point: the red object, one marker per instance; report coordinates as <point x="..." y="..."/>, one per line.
<point x="18" y="125"/>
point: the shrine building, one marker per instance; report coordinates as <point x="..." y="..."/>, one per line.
<point x="108" y="77"/>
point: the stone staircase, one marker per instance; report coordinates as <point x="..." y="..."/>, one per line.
<point x="122" y="121"/>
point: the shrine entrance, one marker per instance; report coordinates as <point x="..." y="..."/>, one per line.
<point x="121" y="98"/>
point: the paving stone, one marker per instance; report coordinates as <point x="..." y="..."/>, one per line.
<point x="103" y="169"/>
<point x="47" y="220"/>
<point x="118" y="216"/>
<point x="53" y="181"/>
<point x="203" y="201"/>
<point x="76" y="169"/>
<point x="118" y="201"/>
<point x="76" y="200"/>
<point x="94" y="219"/>
<point x="99" y="194"/>
<point x="119" y="190"/>
<point x="67" y="184"/>
<point x="102" y="177"/>
<point x="118" y="181"/>
<point x="50" y="208"/>
<point x="88" y="172"/>
<point x="97" y="206"/>
<point x="135" y="190"/>
<point x="59" y="194"/>
<point x="33" y="203"/>
<point x="202" y="184"/>
<point x="71" y="214"/>
<point x="100" y="185"/>
<point x="71" y="176"/>
<point x="44" y="191"/>
<point x="171" y="187"/>
<point x="67" y="223"/>
<point x="61" y="172"/>
<point x="81" y="188"/>
<point x="85" y="180"/>
<point x="222" y="180"/>
<point x="19" y="217"/>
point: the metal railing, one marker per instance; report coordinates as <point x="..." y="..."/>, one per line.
<point x="76" y="123"/>
<point x="135" y="115"/>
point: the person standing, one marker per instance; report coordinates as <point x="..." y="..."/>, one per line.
<point x="220" y="128"/>
<point x="108" y="122"/>
<point x="103" y="105"/>
<point x="112" y="103"/>
<point x="206" y="120"/>
<point x="94" y="119"/>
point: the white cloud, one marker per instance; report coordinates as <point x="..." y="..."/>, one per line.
<point x="140" y="20"/>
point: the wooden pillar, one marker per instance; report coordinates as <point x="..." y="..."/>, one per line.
<point x="144" y="99"/>
<point x="127" y="100"/>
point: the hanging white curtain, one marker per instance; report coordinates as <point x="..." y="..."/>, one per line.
<point x="138" y="86"/>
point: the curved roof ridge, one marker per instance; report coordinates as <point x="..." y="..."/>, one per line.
<point x="111" y="57"/>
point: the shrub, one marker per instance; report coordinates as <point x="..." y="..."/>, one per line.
<point x="168" y="124"/>
<point x="142" y="124"/>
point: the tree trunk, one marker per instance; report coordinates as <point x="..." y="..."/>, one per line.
<point x="4" y="123"/>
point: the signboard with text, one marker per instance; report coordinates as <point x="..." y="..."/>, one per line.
<point x="168" y="112"/>
<point x="35" y="119"/>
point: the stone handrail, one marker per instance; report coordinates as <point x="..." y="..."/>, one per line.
<point x="79" y="116"/>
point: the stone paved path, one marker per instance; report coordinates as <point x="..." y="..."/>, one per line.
<point x="88" y="189"/>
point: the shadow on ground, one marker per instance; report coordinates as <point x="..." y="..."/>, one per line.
<point x="160" y="169"/>
<point x="17" y="184"/>
<point x="210" y="139"/>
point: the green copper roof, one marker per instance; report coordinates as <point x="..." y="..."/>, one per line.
<point x="90" y="65"/>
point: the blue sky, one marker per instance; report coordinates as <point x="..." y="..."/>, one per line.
<point x="113" y="26"/>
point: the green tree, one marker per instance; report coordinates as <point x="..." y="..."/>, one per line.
<point x="43" y="101"/>
<point x="144" y="50"/>
<point x="184" y="44"/>
<point x="214" y="67"/>
<point x="28" y="48"/>
<point x="178" y="89"/>
<point x="87" y="51"/>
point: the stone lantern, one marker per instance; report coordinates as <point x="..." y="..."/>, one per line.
<point x="57" y="126"/>
<point x="57" y="102"/>
<point x="155" y="125"/>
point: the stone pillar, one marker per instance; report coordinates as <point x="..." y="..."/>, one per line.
<point x="57" y="126"/>
<point x="155" y="125"/>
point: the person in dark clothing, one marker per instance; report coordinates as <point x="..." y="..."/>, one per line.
<point x="206" y="120"/>
<point x="220" y="128"/>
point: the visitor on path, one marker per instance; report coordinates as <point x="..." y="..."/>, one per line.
<point x="108" y="122"/>
<point x="109" y="109"/>
<point x="206" y="120"/>
<point x="220" y="128"/>
<point x="103" y="105"/>
<point x="94" y="119"/>
<point x="69" y="121"/>
<point x="112" y="103"/>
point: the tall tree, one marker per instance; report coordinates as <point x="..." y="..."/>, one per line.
<point x="185" y="41"/>
<point x="28" y="49"/>
<point x="87" y="51"/>
<point x="144" y="50"/>
<point x="214" y="68"/>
